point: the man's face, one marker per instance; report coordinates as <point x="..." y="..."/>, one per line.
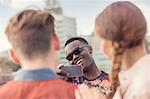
<point x="78" y="53"/>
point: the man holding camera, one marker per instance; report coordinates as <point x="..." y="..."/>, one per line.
<point x="34" y="46"/>
<point x="79" y="52"/>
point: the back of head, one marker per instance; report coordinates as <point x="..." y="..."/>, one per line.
<point x="29" y="33"/>
<point x="123" y="24"/>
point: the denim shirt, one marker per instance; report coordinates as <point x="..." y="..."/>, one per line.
<point x="34" y="75"/>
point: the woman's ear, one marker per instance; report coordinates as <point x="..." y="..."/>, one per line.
<point x="56" y="42"/>
<point x="14" y="57"/>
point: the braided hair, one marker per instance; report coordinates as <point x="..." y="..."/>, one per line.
<point x="124" y="25"/>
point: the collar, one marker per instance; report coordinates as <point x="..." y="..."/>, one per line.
<point x="101" y="77"/>
<point x="35" y="75"/>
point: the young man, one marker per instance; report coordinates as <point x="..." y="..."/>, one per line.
<point x="34" y="46"/>
<point x="79" y="52"/>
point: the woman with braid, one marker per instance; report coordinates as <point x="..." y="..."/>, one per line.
<point x="122" y="28"/>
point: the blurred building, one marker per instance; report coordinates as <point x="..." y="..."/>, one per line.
<point x="53" y="6"/>
<point x="65" y="26"/>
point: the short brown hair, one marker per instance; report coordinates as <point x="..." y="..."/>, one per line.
<point x="29" y="32"/>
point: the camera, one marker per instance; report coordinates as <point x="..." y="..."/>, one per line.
<point x="75" y="73"/>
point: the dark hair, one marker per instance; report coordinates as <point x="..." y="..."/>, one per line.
<point x="29" y="32"/>
<point x="76" y="38"/>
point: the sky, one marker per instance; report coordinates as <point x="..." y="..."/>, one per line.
<point x="85" y="12"/>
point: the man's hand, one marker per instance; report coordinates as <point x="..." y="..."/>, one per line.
<point x="61" y="72"/>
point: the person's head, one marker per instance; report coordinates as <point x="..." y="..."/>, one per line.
<point x="121" y="26"/>
<point x="32" y="35"/>
<point x="79" y="52"/>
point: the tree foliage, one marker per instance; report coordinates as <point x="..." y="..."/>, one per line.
<point x="7" y="62"/>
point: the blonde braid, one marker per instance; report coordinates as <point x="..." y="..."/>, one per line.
<point x="117" y="60"/>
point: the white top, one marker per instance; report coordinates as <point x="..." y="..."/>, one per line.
<point x="135" y="82"/>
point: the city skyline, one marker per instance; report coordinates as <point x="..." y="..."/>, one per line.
<point x="84" y="11"/>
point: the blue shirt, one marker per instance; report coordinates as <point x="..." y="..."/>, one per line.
<point x="34" y="75"/>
